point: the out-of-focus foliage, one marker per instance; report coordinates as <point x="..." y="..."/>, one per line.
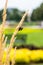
<point x="24" y="31"/>
<point x="26" y="36"/>
<point x="14" y="14"/>
<point x="25" y="55"/>
<point x="1" y="15"/>
<point x="37" y="14"/>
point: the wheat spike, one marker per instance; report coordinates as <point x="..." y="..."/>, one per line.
<point x="4" y="14"/>
<point x="13" y="38"/>
<point x="1" y="33"/>
<point x="3" y="38"/>
<point x="13" y="60"/>
<point x="4" y="43"/>
<point x="16" y="30"/>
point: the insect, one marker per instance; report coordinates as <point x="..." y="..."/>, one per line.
<point x="21" y="28"/>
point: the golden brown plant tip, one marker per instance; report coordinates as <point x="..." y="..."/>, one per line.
<point x="13" y="38"/>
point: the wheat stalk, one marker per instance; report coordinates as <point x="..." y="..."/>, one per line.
<point x="1" y="33"/>
<point x="13" y="60"/>
<point x="4" y="43"/>
<point x="14" y="37"/>
<point x="2" y="37"/>
<point x="16" y="31"/>
<point x="4" y="14"/>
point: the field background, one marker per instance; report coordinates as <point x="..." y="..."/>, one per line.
<point x="31" y="34"/>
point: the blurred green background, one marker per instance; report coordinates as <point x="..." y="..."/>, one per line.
<point x="32" y="33"/>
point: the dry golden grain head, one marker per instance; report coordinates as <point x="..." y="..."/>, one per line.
<point x="1" y="33"/>
<point x="3" y="39"/>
